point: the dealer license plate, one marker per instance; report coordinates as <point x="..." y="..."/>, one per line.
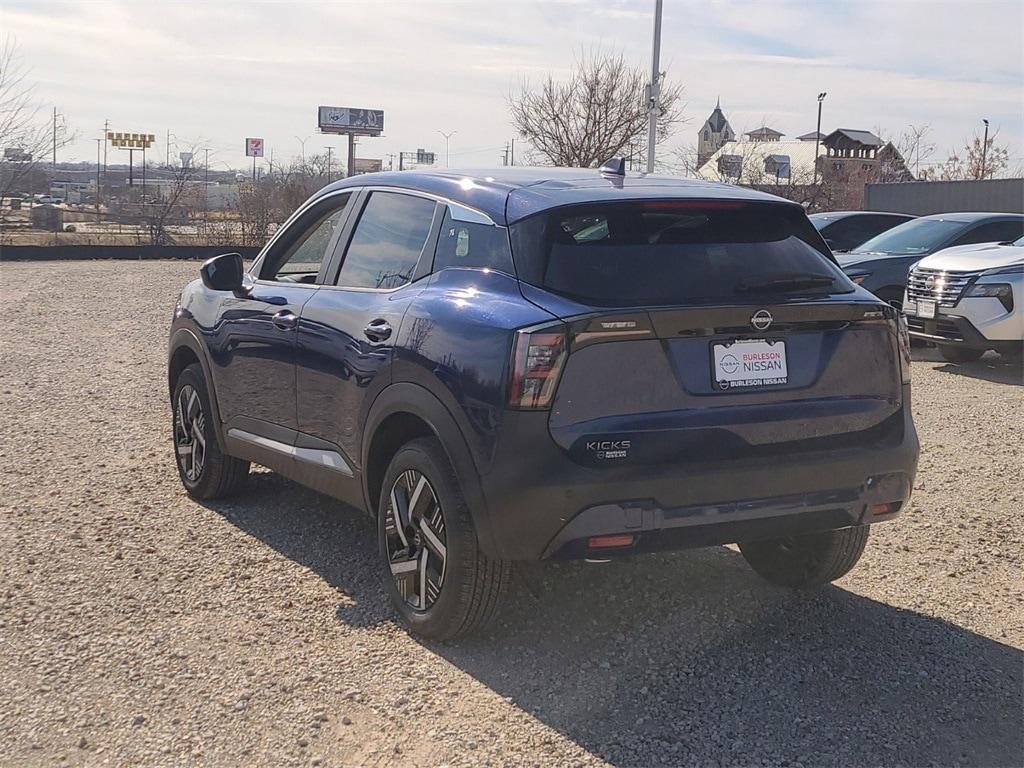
<point x="926" y="308"/>
<point x="749" y="363"/>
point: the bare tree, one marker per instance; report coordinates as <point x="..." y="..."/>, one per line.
<point x="973" y="163"/>
<point x="24" y="129"/>
<point x="596" y="114"/>
<point x="179" y="201"/>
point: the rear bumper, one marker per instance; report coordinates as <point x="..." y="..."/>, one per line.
<point x="541" y="504"/>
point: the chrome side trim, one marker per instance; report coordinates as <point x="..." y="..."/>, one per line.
<point x="329" y="459"/>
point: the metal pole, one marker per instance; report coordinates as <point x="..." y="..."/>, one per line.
<point x="167" y="150"/>
<point x="447" y="156"/>
<point x="351" y="170"/>
<point x="984" y="149"/>
<point x="98" y="177"/>
<point x="54" y="138"/>
<point x="131" y="157"/>
<point x="143" y="172"/>
<point x="254" y="169"/>
<point x="206" y="190"/>
<point x="817" y="135"/>
<point x="654" y="94"/>
<point x="328" y="164"/>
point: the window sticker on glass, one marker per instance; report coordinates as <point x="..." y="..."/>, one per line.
<point x="462" y="243"/>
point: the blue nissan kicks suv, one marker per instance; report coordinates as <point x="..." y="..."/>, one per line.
<point x="550" y="363"/>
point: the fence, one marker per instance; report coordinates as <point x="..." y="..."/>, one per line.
<point x="134" y="252"/>
<point x="922" y="198"/>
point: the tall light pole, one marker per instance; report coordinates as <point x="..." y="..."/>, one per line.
<point x="302" y="147"/>
<point x="817" y="135"/>
<point x="984" y="148"/>
<point x="329" y="150"/>
<point x="447" y="157"/>
<point x="654" y="89"/>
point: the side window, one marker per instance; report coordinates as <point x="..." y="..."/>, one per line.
<point x="993" y="232"/>
<point x="387" y="241"/>
<point x="469" y="244"/>
<point x="299" y="261"/>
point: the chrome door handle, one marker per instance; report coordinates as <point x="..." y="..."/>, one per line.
<point x="378" y="330"/>
<point x="285" y="320"/>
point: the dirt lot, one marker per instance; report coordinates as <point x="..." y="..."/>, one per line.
<point x="141" y="628"/>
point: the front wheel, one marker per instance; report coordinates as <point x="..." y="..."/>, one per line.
<point x="960" y="354"/>
<point x="440" y="582"/>
<point x="808" y="560"/>
<point x="205" y="470"/>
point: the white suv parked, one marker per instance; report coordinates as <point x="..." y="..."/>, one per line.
<point x="968" y="300"/>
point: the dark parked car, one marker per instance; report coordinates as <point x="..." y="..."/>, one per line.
<point x="882" y="263"/>
<point x="532" y="364"/>
<point x="845" y="230"/>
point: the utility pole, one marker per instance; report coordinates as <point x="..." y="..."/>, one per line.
<point x="984" y="148"/>
<point x="512" y="154"/>
<point x="350" y="170"/>
<point x="447" y="156"/>
<point x="654" y="89"/>
<point x="54" y="139"/>
<point x="106" y="128"/>
<point x="206" y="187"/>
<point x="817" y="135"/>
<point x="97" y="200"/>
<point x="167" y="157"/>
<point x="329" y="149"/>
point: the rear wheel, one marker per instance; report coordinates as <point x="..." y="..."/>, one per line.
<point x="960" y="354"/>
<point x="808" y="560"/>
<point x="435" y="574"/>
<point x="205" y="470"/>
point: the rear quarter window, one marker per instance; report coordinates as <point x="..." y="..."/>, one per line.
<point x="668" y="252"/>
<point x="470" y="244"/>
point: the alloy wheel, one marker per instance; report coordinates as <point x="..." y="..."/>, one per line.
<point x="415" y="540"/>
<point x="189" y="436"/>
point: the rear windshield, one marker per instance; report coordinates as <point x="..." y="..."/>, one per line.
<point x="674" y="252"/>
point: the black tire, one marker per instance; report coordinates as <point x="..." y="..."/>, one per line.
<point x="809" y="560"/>
<point x="216" y="475"/>
<point x="461" y="595"/>
<point x="960" y="354"/>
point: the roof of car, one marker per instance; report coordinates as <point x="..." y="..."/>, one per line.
<point x="844" y="214"/>
<point x="970" y="217"/>
<point x="507" y="195"/>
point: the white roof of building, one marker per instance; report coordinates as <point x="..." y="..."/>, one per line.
<point x="753" y="154"/>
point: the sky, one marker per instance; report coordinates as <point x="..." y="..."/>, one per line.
<point x="213" y="73"/>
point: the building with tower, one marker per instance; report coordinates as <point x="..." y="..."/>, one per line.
<point x="715" y="132"/>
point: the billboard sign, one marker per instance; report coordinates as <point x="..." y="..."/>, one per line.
<point x="364" y="122"/>
<point x="123" y="140"/>
<point x="17" y="155"/>
<point x="186" y="159"/>
<point x="367" y="165"/>
<point x="254" y="147"/>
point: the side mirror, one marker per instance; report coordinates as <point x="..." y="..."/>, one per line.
<point x="223" y="273"/>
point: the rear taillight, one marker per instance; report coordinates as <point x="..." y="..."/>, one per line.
<point x="538" y="355"/>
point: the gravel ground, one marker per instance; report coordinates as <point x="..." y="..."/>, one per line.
<point x="142" y="628"/>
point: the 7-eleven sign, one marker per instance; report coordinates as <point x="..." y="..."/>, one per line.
<point x="254" y="147"/>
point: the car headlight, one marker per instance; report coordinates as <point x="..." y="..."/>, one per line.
<point x="1001" y="291"/>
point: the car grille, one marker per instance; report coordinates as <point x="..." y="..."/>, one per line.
<point x="939" y="327"/>
<point x="942" y="286"/>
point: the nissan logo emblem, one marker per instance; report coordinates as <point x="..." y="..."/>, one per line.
<point x="761" y="319"/>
